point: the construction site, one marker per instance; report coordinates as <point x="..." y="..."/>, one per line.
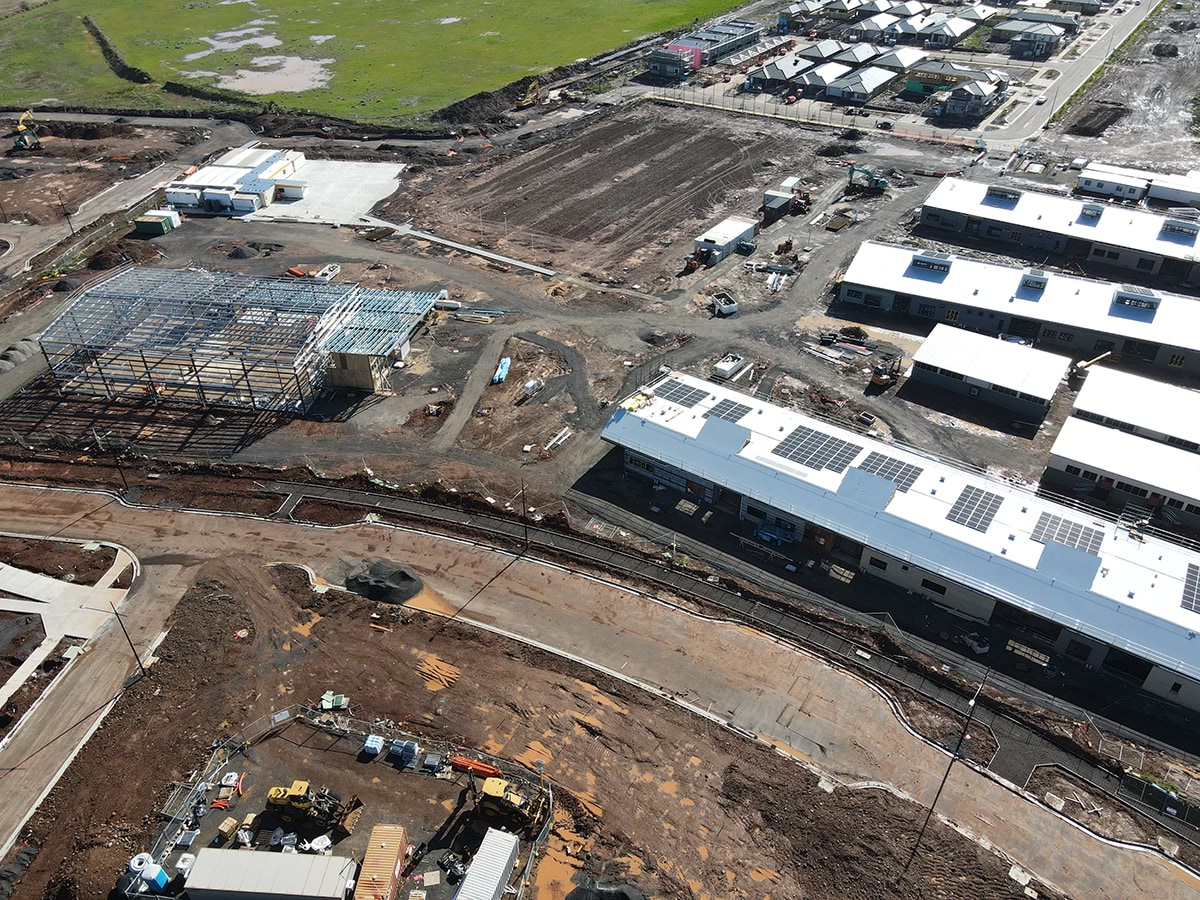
<point x="552" y="506"/>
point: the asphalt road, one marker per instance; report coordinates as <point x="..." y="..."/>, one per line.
<point x="825" y="718"/>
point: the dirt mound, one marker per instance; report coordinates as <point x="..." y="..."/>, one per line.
<point x="85" y="131"/>
<point x="491" y="106"/>
<point x="384" y="581"/>
<point x="122" y="252"/>
<point x="1182" y="26"/>
<point x="13" y="174"/>
<point x="832" y="151"/>
<point x="1096" y="118"/>
<point x="1165" y="50"/>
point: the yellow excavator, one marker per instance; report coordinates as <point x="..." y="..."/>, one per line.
<point x="323" y="806"/>
<point x="533" y="95"/>
<point x="27" y="134"/>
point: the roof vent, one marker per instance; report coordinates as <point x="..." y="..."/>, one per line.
<point x="1178" y="226"/>
<point x="1092" y="210"/>
<point x="998" y="192"/>
<point x="935" y="260"/>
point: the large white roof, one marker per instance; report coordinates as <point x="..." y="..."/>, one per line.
<point x="1129" y="457"/>
<point x="228" y="873"/>
<point x="1128" y="593"/>
<point x="1065" y="301"/>
<point x="1142" y="402"/>
<point x="1116" y="226"/>
<point x="1017" y="367"/>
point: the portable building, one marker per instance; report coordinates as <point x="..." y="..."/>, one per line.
<point x="222" y="197"/>
<point x="382" y="863"/>
<point x="723" y="238"/>
<point x="246" y="202"/>
<point x="292" y="190"/>
<point x="221" y="874"/>
<point x="1012" y="376"/>
<point x="487" y="876"/>
<point x="183" y="196"/>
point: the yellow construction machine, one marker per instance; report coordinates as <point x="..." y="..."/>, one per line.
<point x="322" y="807"/>
<point x="533" y="95"/>
<point x="503" y="799"/>
<point x="27" y="134"/>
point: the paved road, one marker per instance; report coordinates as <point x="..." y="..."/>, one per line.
<point x="824" y="717"/>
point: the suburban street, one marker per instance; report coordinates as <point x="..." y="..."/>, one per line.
<point x="822" y="716"/>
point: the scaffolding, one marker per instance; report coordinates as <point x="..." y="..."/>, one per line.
<point x="221" y="339"/>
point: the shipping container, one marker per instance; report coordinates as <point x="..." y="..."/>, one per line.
<point x="149" y="225"/>
<point x="382" y="863"/>
<point x="488" y="875"/>
<point x="171" y="215"/>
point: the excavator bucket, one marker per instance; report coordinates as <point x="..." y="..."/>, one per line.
<point x="350" y="815"/>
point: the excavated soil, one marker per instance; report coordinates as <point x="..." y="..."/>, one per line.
<point x="58" y="559"/>
<point x="655" y="797"/>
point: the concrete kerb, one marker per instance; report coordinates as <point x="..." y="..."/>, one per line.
<point x="1015" y="789"/>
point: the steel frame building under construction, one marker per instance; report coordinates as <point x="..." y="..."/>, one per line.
<point x="217" y="338"/>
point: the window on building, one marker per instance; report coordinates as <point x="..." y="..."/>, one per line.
<point x="1000" y="389"/>
<point x="1079" y="650"/>
<point x="1114" y="254"/>
<point x="1014" y="235"/>
<point x="926" y="309"/>
<point x="1122" y="663"/>
<point x="1177" y="360"/>
<point x="1186" y="445"/>
<point x="1102" y="345"/>
<point x="1193" y="509"/>
<point x="755" y="513"/>
<point x="1066" y="336"/>
<point x="636" y="462"/>
<point x="993" y="231"/>
<point x="1176" y="687"/>
<point x="878" y="564"/>
<point x="854" y="295"/>
<point x="1099" y="184"/>
<point x="873" y="300"/>
<point x="1132" y="489"/>
<point x="957" y="376"/>
<point x="1174" y="503"/>
<point x="933" y="586"/>
<point x="1074" y="470"/>
<point x="1090" y="475"/>
<point x="952" y="315"/>
<point x="1050" y="334"/>
<point x="1146" y="265"/>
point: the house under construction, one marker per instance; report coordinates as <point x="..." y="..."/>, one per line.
<point x="215" y="338"/>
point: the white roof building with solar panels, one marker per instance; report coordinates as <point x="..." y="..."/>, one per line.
<point x="1103" y="590"/>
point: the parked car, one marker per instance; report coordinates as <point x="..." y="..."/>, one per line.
<point x="1040" y="101"/>
<point x="885" y="124"/>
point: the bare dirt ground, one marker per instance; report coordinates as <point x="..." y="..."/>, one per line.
<point x="20" y="633"/>
<point x="622" y="199"/>
<point x="58" y="559"/>
<point x="653" y="797"/>
<point x="37" y="683"/>
<point x="79" y="160"/>
<point x="1148" y="96"/>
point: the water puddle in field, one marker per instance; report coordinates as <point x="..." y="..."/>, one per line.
<point x="225" y="41"/>
<point x="319" y="39"/>
<point x="278" y="75"/>
<point x="449" y="20"/>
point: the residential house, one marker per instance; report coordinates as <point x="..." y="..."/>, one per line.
<point x="861" y="85"/>
<point x="1038" y="41"/>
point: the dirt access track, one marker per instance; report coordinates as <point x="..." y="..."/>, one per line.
<point x="678" y="804"/>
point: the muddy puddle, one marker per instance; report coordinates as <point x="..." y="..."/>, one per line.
<point x="279" y="74"/>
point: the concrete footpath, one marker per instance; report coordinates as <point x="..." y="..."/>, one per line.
<point x="822" y="716"/>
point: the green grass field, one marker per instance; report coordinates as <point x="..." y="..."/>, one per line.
<point x="391" y="59"/>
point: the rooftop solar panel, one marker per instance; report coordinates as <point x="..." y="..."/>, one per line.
<point x="1191" y="589"/>
<point x="975" y="508"/>
<point x="1063" y="531"/>
<point x="902" y="474"/>
<point x="729" y="409"/>
<point x="817" y="450"/>
<point x="677" y="392"/>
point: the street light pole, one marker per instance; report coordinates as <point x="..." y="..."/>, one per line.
<point x="65" y="213"/>
<point x="121" y="622"/>
<point x="971" y="705"/>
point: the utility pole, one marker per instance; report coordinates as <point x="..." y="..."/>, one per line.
<point x="524" y="513"/>
<point x="132" y="648"/>
<point x="65" y="213"/>
<point x="971" y="705"/>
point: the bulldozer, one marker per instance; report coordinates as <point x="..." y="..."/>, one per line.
<point x="322" y="807"/>
<point x="532" y="97"/>
<point x="503" y="799"/>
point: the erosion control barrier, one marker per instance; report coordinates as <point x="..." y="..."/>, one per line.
<point x="113" y="57"/>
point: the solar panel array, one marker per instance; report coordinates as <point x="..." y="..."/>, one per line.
<point x="975" y="508"/>
<point x="1191" y="588"/>
<point x="729" y="409"/>
<point x="677" y="392"/>
<point x="895" y="470"/>
<point x="817" y="450"/>
<point x="1063" y="531"/>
